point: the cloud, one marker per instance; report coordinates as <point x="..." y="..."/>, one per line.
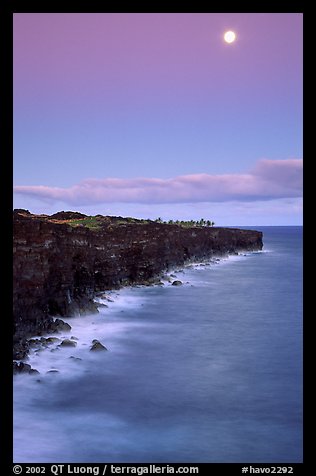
<point x="268" y="180"/>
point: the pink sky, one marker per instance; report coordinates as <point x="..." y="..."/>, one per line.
<point x="156" y="108"/>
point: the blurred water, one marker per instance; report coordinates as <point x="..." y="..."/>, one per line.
<point x="210" y="371"/>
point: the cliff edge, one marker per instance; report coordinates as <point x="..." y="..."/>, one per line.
<point x="60" y="261"/>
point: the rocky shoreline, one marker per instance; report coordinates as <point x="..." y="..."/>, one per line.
<point x="61" y="262"/>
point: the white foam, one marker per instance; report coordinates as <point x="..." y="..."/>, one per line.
<point x="117" y="317"/>
<point x="107" y="326"/>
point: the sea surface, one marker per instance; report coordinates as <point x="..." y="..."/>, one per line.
<point x="206" y="372"/>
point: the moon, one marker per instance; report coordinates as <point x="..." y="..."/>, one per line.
<point x="230" y="36"/>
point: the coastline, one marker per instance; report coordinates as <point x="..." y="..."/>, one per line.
<point x="202" y="347"/>
<point x="60" y="336"/>
<point x="59" y="269"/>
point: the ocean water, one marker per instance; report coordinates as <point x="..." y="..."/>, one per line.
<point x="206" y="372"/>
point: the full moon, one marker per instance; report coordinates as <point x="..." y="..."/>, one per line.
<point x="230" y="36"/>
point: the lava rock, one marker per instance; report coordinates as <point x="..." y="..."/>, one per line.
<point x="177" y="283"/>
<point x="97" y="346"/>
<point x="58" y="268"/>
<point x="23" y="368"/>
<point x="33" y="371"/>
<point x="62" y="326"/>
<point x="68" y="343"/>
<point x="52" y="340"/>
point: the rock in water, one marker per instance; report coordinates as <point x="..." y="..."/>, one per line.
<point x="76" y="359"/>
<point x="61" y="326"/>
<point x="68" y="343"/>
<point x="96" y="345"/>
<point x="52" y="340"/>
<point x="177" y="283"/>
<point x="33" y="371"/>
<point x="21" y="367"/>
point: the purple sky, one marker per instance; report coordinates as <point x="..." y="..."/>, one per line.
<point x="153" y="115"/>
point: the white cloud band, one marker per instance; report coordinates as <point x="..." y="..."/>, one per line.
<point x="270" y="179"/>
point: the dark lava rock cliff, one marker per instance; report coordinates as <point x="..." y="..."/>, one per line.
<point x="61" y="261"/>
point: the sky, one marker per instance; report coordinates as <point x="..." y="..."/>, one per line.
<point x="154" y="115"/>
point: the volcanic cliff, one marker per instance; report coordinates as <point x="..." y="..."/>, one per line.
<point x="61" y="261"/>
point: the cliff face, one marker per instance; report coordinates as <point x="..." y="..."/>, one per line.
<point x="60" y="264"/>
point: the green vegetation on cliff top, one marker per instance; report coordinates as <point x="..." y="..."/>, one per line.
<point x="96" y="222"/>
<point x="76" y="219"/>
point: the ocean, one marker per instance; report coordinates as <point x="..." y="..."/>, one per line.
<point x="206" y="372"/>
